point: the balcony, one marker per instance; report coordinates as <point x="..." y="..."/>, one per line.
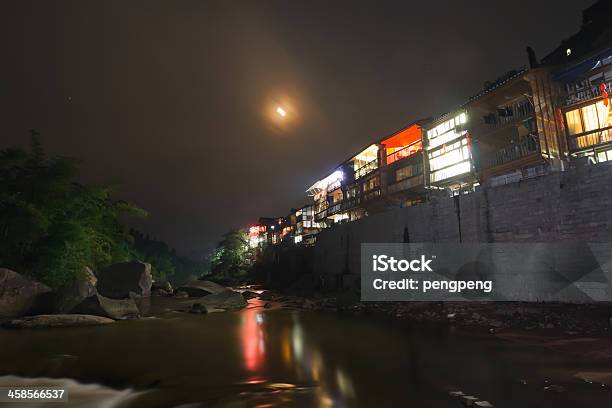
<point x="321" y="215"/>
<point x="406" y="184"/>
<point x="510" y="115"/>
<point x="591" y="139"/>
<point x="513" y="157"/>
<point x="351" y="203"/>
<point x="372" y="194"/>
<point x="334" y="208"/>
<point x="584" y="93"/>
<point x="404" y="152"/>
<point x="366" y="169"/>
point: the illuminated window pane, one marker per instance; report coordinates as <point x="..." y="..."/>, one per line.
<point x="574" y="124"/>
<point x="589" y="115"/>
<point x="448" y="172"/>
<point x="605" y="116"/>
<point x="403" y="173"/>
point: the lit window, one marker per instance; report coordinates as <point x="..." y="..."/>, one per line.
<point x="371" y="184"/>
<point x="406" y="172"/>
<point x="451" y="171"/>
<point x="589" y="115"/>
<point x="445" y="127"/>
<point x="586" y="122"/>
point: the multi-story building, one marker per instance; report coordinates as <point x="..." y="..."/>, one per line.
<point x="525" y="123"/>
<point x="582" y="66"/>
<point x="268" y="230"/>
<point x="306" y="228"/>
<point x="506" y="133"/>
<point x="400" y="175"/>
<point x="387" y="173"/>
<point x="448" y="155"/>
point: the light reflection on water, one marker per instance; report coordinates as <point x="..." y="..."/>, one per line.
<point x="260" y="357"/>
<point x="298" y="355"/>
<point x="253" y="341"/>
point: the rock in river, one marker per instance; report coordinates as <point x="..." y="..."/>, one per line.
<point x="160" y="292"/>
<point x="19" y="293"/>
<point x="114" y="308"/>
<point x="118" y="280"/>
<point x="198" y="288"/>
<point x="179" y="294"/>
<point x="57" y="320"/>
<point x="71" y="296"/>
<point x="198" y="308"/>
<point x="228" y="299"/>
<point x="248" y="294"/>
<point x="165" y="286"/>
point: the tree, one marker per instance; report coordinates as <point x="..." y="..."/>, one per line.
<point x="51" y="226"/>
<point x="229" y="260"/>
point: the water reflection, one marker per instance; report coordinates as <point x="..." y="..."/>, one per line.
<point x="321" y="383"/>
<point x="253" y="340"/>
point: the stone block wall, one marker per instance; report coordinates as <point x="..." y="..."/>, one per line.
<point x="573" y="205"/>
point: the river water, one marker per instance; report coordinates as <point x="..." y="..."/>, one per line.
<point x="286" y="358"/>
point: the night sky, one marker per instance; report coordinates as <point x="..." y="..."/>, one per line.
<point x="174" y="99"/>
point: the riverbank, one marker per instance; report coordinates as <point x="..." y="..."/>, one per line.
<point x="280" y="353"/>
<point x="578" y="329"/>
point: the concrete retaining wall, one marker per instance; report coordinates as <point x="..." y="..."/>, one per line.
<point x="574" y="205"/>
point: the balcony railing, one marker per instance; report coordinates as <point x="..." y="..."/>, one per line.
<point x="511" y="114"/>
<point x="366" y="168"/>
<point x="372" y="194"/>
<point x="406" y="184"/>
<point x="350" y="203"/>
<point x="321" y="215"/>
<point x="405" y="151"/>
<point x="529" y="145"/>
<point x="585" y="93"/>
<point x="335" y="185"/>
<point x="334" y="208"/>
<point x="589" y="139"/>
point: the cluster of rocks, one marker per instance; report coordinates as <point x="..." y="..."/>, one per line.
<point x="208" y="297"/>
<point x="335" y="304"/>
<point x="97" y="298"/>
<point x="569" y="318"/>
<point x="108" y="295"/>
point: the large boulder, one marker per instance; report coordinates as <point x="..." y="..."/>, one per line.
<point x="125" y="279"/>
<point x="19" y="294"/>
<point x="99" y="305"/>
<point x="228" y="300"/>
<point x="56" y="320"/>
<point x="198" y="288"/>
<point x="71" y="296"/>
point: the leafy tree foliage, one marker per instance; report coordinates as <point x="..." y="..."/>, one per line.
<point x="52" y="227"/>
<point x="231" y="259"/>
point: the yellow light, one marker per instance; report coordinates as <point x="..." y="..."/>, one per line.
<point x="281" y="111"/>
